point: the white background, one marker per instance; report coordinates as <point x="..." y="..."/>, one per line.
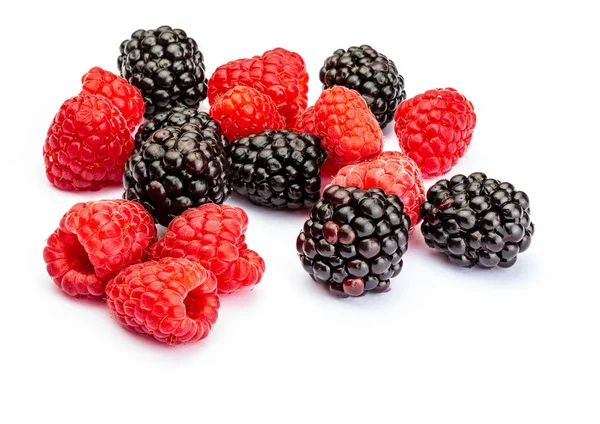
<point x="445" y="345"/>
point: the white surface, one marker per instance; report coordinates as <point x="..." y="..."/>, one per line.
<point x="445" y="345"/>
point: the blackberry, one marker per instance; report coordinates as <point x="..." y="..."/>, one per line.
<point x="278" y="169"/>
<point x="354" y="240"/>
<point x="477" y="220"/>
<point x="178" y="116"/>
<point x="167" y="67"/>
<point x="370" y="73"/>
<point x="177" y="168"/>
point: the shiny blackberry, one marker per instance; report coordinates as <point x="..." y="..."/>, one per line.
<point x="477" y="220"/>
<point x="177" y="168"/>
<point x="278" y="169"/>
<point x="177" y="117"/>
<point x="370" y="73"/>
<point x="354" y="240"/>
<point x="167" y="67"/>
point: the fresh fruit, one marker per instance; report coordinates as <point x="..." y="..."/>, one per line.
<point x="167" y="67"/>
<point x="394" y="173"/>
<point x="87" y="144"/>
<point x="477" y="220"/>
<point x="242" y="111"/>
<point x="349" y="131"/>
<point x="123" y="95"/>
<point x="306" y="123"/>
<point x="278" y="169"/>
<point x="175" y="169"/>
<point x="213" y="235"/>
<point x="177" y="117"/>
<point x="278" y="73"/>
<point x="370" y="73"/>
<point x="354" y="240"/>
<point x="173" y="300"/>
<point x="94" y="241"/>
<point x="435" y="128"/>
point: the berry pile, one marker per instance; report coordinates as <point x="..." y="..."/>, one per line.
<point x="260" y="139"/>
<point x="167" y="288"/>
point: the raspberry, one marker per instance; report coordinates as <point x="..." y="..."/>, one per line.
<point x="279" y="73"/>
<point x="435" y="129"/>
<point x="87" y="144"/>
<point x="214" y="236"/>
<point x="393" y="172"/>
<point x="348" y="129"/>
<point x="174" y="300"/>
<point x="94" y="241"/>
<point x="243" y="111"/>
<point x="306" y="123"/>
<point x="127" y="98"/>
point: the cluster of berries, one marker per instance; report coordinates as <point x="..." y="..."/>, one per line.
<point x="167" y="288"/>
<point x="260" y="139"/>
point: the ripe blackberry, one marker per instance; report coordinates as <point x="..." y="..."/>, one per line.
<point x="175" y="169"/>
<point x="477" y="220"/>
<point x="354" y="240"/>
<point x="370" y="73"/>
<point x="177" y="117"/>
<point x="167" y="67"/>
<point x="278" y="169"/>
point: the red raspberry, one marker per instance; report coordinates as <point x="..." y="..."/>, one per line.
<point x="243" y="111"/>
<point x="174" y="300"/>
<point x="87" y="145"/>
<point x="306" y="123"/>
<point x="349" y="131"/>
<point x="94" y="241"/>
<point x="127" y="98"/>
<point x="395" y="173"/>
<point x="279" y="73"/>
<point x="214" y="236"/>
<point x="435" y="129"/>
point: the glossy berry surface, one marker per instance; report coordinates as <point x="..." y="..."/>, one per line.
<point x="175" y="169"/>
<point x="178" y="116"/>
<point x="167" y="67"/>
<point x="173" y="300"/>
<point x="435" y="129"/>
<point x="477" y="220"/>
<point x="354" y="240"/>
<point x="278" y="169"/>
<point x="370" y="73"/>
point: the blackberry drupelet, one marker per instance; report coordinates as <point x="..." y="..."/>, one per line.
<point x="167" y="67"/>
<point x="177" y="117"/>
<point x="354" y="240"/>
<point x="278" y="169"/>
<point x="175" y="169"/>
<point x="370" y="73"/>
<point x="477" y="220"/>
